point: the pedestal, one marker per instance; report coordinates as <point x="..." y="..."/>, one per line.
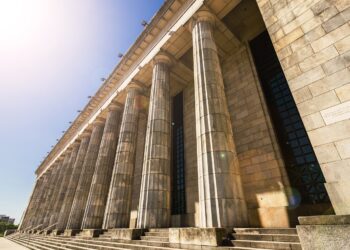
<point x="324" y="232"/>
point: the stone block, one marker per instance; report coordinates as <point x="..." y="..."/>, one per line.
<point x="71" y="232"/>
<point x="334" y="132"/>
<point x="336" y="113"/>
<point x="330" y="82"/>
<point x="90" y="233"/>
<point x="339" y="194"/>
<point x="343" y="92"/>
<point x="326" y="153"/>
<point x="197" y="236"/>
<point x="343" y="147"/>
<point x="331" y="38"/>
<point x="343" y="45"/>
<point x="126" y="233"/>
<point x="313" y="121"/>
<point x="324" y="232"/>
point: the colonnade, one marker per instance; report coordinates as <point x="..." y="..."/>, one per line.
<point x="90" y="185"/>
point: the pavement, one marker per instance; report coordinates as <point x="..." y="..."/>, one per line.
<point x="6" y="244"/>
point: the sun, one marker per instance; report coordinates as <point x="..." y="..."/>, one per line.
<point x="19" y="20"/>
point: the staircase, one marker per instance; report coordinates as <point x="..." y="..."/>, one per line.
<point x="158" y="239"/>
<point x="266" y="238"/>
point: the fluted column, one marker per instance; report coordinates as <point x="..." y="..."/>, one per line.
<point x="37" y="217"/>
<point x="119" y="199"/>
<point x="154" y="205"/>
<point x="73" y="182"/>
<point x="96" y="204"/>
<point x="62" y="185"/>
<point x="221" y="198"/>
<point x="83" y="188"/>
<point x="32" y="202"/>
<point x="49" y="192"/>
<point x="38" y="200"/>
<point x="55" y="190"/>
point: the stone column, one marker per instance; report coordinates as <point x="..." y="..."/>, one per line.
<point x="73" y="182"/>
<point x="154" y="206"/>
<point x="55" y="190"/>
<point x="32" y="202"/>
<point x="48" y="197"/>
<point x="119" y="200"/>
<point x="83" y="188"/>
<point x="221" y="199"/>
<point x="39" y="199"/>
<point x="37" y="220"/>
<point x="96" y="204"/>
<point x="62" y="185"/>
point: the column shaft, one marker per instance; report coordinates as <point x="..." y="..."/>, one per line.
<point x="49" y="192"/>
<point x="73" y="182"/>
<point x="62" y="186"/>
<point x="81" y="194"/>
<point x="55" y="190"/>
<point x="42" y="198"/>
<point x="154" y="206"/>
<point x="95" y="208"/>
<point x="221" y="198"/>
<point x="27" y="217"/>
<point x="119" y="200"/>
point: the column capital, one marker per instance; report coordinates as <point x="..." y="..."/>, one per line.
<point x="86" y="133"/>
<point x="162" y="57"/>
<point x="115" y="106"/>
<point x="99" y="121"/>
<point x="76" y="143"/>
<point x="136" y="85"/>
<point x="202" y="16"/>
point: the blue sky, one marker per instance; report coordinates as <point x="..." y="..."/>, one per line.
<point x="52" y="56"/>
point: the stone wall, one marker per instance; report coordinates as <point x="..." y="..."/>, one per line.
<point x="141" y="134"/>
<point x="312" y="41"/>
<point x="191" y="174"/>
<point x="265" y="181"/>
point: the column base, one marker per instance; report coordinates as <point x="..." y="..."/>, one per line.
<point x="71" y="232"/>
<point x="324" y="232"/>
<point x="90" y="233"/>
<point x="57" y="232"/>
<point x="126" y="233"/>
<point x="47" y="232"/>
<point x="185" y="237"/>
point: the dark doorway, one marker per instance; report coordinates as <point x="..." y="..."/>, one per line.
<point x="178" y="196"/>
<point x="303" y="169"/>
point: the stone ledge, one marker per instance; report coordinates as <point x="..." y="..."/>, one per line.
<point x="325" y="220"/>
<point x="126" y="233"/>
<point x="324" y="232"/>
<point x="71" y="232"/>
<point x="90" y="233"/>
<point x="197" y="236"/>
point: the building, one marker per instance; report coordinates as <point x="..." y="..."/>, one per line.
<point x="6" y="219"/>
<point x="224" y="113"/>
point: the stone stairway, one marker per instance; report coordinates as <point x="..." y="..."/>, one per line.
<point x="266" y="238"/>
<point x="158" y="239"/>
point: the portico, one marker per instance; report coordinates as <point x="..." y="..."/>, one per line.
<point x="235" y="155"/>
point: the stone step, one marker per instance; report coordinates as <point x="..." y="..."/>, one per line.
<point x="102" y="244"/>
<point x="76" y="246"/>
<point x="266" y="230"/>
<point x="155" y="238"/>
<point x="160" y="234"/>
<point x="267" y="244"/>
<point x="38" y="245"/>
<point x="164" y="230"/>
<point x="267" y="237"/>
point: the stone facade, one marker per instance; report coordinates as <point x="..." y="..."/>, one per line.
<point x="236" y="171"/>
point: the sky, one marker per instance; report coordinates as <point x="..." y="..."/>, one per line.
<point x="53" y="54"/>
